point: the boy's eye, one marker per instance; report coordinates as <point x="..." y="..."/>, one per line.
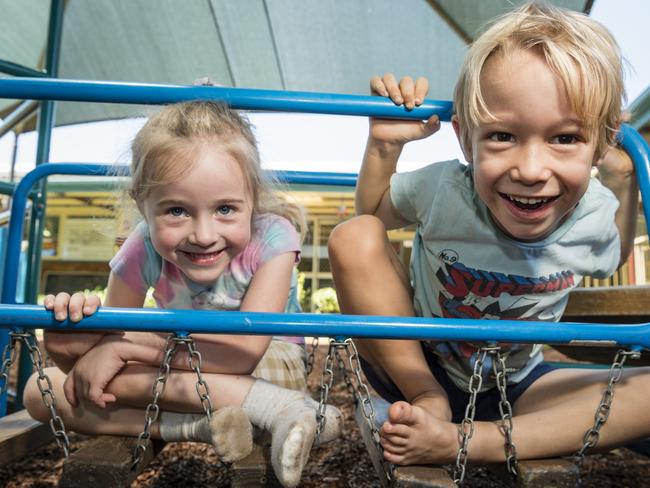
<point x="176" y="211"/>
<point x="501" y="137"/>
<point x="224" y="209"/>
<point x="564" y="139"/>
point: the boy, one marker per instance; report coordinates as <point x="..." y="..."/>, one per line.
<point x="507" y="236"/>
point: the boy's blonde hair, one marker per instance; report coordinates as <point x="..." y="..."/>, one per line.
<point x="579" y="50"/>
<point x="167" y="145"/>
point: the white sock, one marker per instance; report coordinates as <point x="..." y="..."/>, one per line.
<point x="228" y="430"/>
<point x="290" y="416"/>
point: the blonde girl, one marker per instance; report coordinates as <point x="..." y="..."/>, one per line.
<point x="213" y="236"/>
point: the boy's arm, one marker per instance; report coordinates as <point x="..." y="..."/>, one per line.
<point x="616" y="172"/>
<point x="384" y="146"/>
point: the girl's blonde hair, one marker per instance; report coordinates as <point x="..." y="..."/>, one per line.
<point x="166" y="146"/>
<point x="579" y="50"/>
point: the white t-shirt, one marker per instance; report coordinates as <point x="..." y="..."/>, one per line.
<point x="463" y="266"/>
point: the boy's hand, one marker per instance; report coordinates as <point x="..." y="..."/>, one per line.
<point x="78" y="305"/>
<point x="411" y="94"/>
<point x="93" y="372"/>
<point x="615" y="166"/>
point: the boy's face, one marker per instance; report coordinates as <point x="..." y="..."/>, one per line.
<point x="532" y="165"/>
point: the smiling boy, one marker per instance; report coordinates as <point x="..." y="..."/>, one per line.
<point x="507" y="236"/>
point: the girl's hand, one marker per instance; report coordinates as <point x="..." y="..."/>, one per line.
<point x="93" y="372"/>
<point x="411" y="94"/>
<point x="78" y="305"/>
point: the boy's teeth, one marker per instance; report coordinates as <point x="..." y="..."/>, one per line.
<point x="528" y="201"/>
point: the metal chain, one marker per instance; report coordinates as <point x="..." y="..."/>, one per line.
<point x="153" y="410"/>
<point x="466" y="428"/>
<point x="311" y="355"/>
<point x="9" y="356"/>
<point x="344" y="370"/>
<point x="363" y="399"/>
<point x="326" y="381"/>
<point x="505" y="409"/>
<point x="202" y="389"/>
<point x="590" y="438"/>
<point x="45" y="387"/>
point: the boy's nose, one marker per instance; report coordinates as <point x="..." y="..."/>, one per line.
<point x="530" y="167"/>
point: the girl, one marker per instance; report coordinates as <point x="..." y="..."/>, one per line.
<point x="213" y="236"/>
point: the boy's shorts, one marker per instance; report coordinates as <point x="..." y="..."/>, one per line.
<point x="487" y="402"/>
<point x="284" y="365"/>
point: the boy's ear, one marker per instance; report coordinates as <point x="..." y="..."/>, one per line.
<point x="467" y="151"/>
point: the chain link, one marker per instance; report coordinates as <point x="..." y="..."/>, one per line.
<point x="9" y="356"/>
<point x="505" y="409"/>
<point x="466" y="428"/>
<point x="590" y="438"/>
<point x="202" y="389"/>
<point x="45" y="387"/>
<point x="311" y="355"/>
<point x="326" y="382"/>
<point x="153" y="410"/>
<point x="364" y="401"/>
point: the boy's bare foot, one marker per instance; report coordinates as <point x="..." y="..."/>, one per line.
<point x="411" y="435"/>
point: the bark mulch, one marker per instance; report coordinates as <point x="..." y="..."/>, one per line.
<point x="342" y="463"/>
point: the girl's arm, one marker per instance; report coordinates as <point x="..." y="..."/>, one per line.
<point x="239" y="354"/>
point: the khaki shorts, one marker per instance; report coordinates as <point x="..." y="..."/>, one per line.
<point x="284" y="365"/>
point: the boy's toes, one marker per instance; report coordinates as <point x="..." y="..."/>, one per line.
<point x="232" y="434"/>
<point x="400" y="413"/>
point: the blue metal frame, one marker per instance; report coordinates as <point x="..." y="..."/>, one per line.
<point x="18" y="317"/>
<point x="239" y="98"/>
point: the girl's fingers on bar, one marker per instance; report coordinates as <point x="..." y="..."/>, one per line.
<point x="61" y="301"/>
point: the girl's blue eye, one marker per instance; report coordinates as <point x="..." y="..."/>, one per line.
<point x="564" y="139"/>
<point x="501" y="137"/>
<point x="176" y="212"/>
<point x="224" y="209"/>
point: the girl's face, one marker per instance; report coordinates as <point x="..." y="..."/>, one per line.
<point x="202" y="221"/>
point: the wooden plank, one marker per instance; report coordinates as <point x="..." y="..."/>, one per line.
<point x="403" y="476"/>
<point x="255" y="470"/>
<point x="105" y="461"/>
<point x="20" y="435"/>
<point x="623" y="301"/>
<point x="542" y="473"/>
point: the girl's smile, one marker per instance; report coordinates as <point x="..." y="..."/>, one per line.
<point x="202" y="221"/>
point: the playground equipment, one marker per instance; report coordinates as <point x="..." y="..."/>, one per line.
<point x="17" y="320"/>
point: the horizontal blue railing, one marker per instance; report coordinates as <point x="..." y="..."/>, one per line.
<point x="239" y="98"/>
<point x="333" y="325"/>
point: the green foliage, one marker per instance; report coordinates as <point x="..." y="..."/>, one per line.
<point x="325" y="301"/>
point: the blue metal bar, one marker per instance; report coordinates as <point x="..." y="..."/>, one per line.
<point x="23" y="191"/>
<point x="309" y="324"/>
<point x="637" y="147"/>
<point x="239" y="98"/>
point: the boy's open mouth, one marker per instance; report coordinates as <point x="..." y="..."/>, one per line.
<point x="526" y="203"/>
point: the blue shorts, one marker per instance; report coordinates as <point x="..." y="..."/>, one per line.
<point x="487" y="402"/>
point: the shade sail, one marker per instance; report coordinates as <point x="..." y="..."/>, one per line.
<point x="307" y="45"/>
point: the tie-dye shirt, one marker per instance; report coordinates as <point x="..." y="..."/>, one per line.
<point x="139" y="265"/>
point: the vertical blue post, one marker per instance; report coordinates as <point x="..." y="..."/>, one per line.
<point x="45" y="124"/>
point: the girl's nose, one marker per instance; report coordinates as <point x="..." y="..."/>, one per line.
<point x="204" y="232"/>
<point x="530" y="166"/>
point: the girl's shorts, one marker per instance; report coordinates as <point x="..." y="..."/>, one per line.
<point x="487" y="402"/>
<point x="284" y="365"/>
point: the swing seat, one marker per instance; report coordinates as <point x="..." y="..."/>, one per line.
<point x="536" y="473"/>
<point x="20" y="435"/>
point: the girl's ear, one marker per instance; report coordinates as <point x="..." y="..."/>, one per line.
<point x="467" y="151"/>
